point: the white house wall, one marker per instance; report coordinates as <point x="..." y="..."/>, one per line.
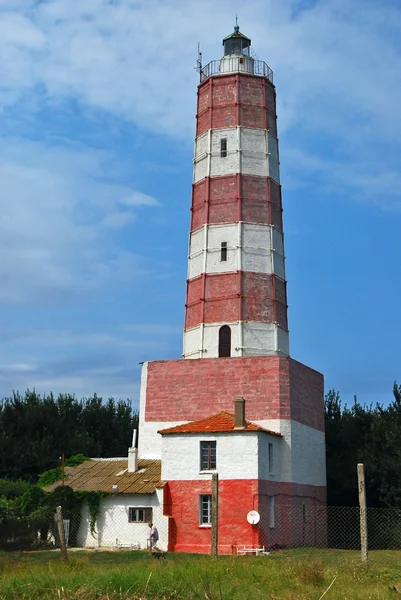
<point x="249" y="151"/>
<point x="236" y="456"/>
<point x="302" y="458"/>
<point x="113" y="523"/>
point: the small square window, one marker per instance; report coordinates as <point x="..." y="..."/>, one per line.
<point x="205" y="509"/>
<point x="223" y="147"/>
<point x="139" y="515"/>
<point x="223" y="252"/>
<point x="207" y="456"/>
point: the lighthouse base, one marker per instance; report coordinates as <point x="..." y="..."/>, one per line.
<point x="281" y="394"/>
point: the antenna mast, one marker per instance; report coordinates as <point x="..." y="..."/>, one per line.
<point x="199" y="62"/>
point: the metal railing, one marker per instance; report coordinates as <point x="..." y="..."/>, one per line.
<point x="259" y="68"/>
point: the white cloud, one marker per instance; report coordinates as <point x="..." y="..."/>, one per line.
<point x="80" y="362"/>
<point x="367" y="180"/>
<point x="336" y="69"/>
<point x="57" y="211"/>
<point x="138" y="199"/>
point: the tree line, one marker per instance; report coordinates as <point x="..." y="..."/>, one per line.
<point x="35" y="430"/>
<point x="369" y="434"/>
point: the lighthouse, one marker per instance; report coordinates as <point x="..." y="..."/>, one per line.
<point x="236" y="290"/>
<point x="236" y="408"/>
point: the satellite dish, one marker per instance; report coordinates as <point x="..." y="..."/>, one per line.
<point x="253" y="517"/>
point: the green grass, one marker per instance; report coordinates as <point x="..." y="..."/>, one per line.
<point x="286" y="575"/>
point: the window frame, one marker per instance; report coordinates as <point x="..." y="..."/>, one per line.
<point x="224" y="348"/>
<point x="209" y="461"/>
<point x="207" y="498"/>
<point x="223" y="147"/>
<point x="223" y="252"/>
<point x="147" y="514"/>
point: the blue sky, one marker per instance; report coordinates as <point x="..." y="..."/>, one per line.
<point x="97" y="106"/>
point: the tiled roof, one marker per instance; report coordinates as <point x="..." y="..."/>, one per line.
<point x="223" y="422"/>
<point x="101" y="474"/>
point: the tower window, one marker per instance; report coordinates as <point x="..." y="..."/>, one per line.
<point x="223" y="147"/>
<point x="223" y="252"/>
<point x="224" y="341"/>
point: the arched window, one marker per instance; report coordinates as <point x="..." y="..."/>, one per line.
<point x="224" y="341"/>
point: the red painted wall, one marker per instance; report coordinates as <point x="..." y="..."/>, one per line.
<point x="231" y="100"/>
<point x="232" y="198"/>
<point x="227" y="297"/>
<point x="274" y="388"/>
<point x="293" y="525"/>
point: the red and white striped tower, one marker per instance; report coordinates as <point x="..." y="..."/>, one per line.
<point x="236" y="290"/>
<point x="236" y="307"/>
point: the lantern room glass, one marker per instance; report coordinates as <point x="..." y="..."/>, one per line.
<point x="237" y="45"/>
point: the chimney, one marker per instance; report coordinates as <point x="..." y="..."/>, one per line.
<point x="133" y="455"/>
<point x="239" y="412"/>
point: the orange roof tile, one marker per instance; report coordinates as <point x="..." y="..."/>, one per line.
<point x="223" y="422"/>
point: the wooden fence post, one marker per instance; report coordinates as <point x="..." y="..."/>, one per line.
<point x="60" y="527"/>
<point x="215" y="513"/>
<point x="363" y="512"/>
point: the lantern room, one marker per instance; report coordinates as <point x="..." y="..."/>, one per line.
<point x="237" y="43"/>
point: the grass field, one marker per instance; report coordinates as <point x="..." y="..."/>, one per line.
<point x="289" y="575"/>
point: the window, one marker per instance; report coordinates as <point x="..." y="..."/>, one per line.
<point x="223" y="147"/>
<point x="223" y="252"/>
<point x="271" y="458"/>
<point x="224" y="341"/>
<point x="205" y="509"/>
<point x="139" y="515"/>
<point x="272" y="520"/>
<point x="207" y="456"/>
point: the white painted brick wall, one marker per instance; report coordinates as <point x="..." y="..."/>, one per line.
<point x="236" y="456"/>
<point x="201" y="169"/>
<point x="113" y="521"/>
<point x="257" y="244"/>
<point x="193" y="342"/>
<point x="253" y="141"/>
<point x="229" y="164"/>
<point x="283" y="342"/>
<point x="249" y="151"/>
<point x="202" y="146"/>
<point x="302" y="457"/>
<point x="258" y="339"/>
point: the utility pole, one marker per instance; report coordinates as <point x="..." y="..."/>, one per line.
<point x="60" y="527"/>
<point x="215" y="513"/>
<point x="363" y="512"/>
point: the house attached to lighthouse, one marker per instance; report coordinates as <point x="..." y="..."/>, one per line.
<point x="236" y="405"/>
